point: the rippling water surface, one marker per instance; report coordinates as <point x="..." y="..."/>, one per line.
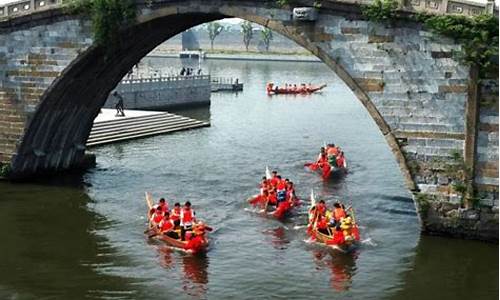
<point x="63" y="241"/>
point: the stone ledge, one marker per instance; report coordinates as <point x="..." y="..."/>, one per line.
<point x="446" y="219"/>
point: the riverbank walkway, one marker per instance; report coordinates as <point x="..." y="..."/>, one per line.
<point x="108" y="128"/>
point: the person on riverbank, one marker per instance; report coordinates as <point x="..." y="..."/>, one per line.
<point x="120" y="108"/>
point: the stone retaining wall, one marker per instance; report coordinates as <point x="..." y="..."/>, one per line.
<point x="163" y="93"/>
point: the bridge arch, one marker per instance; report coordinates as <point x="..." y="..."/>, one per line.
<point x="80" y="91"/>
<point x="399" y="74"/>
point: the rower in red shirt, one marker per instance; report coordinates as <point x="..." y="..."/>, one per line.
<point x="156" y="217"/>
<point x="263" y="185"/>
<point x="280" y="185"/>
<point x="175" y="216"/>
<point x="166" y="224"/>
<point x="272" y="198"/>
<point x="187" y="219"/>
<point x="321" y="207"/>
<point x="274" y="179"/>
<point x="338" y="212"/>
<point x="322" y="225"/>
<point x="163" y="205"/>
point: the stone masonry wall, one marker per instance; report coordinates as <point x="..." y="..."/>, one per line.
<point x="486" y="171"/>
<point x="413" y="82"/>
<point x="30" y="60"/>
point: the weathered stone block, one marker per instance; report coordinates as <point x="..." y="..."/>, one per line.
<point x="453" y="88"/>
<point x="441" y="54"/>
<point x="370" y="85"/>
<point x="380" y="38"/>
<point x="350" y="30"/>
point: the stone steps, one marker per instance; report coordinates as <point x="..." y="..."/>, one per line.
<point x="117" y="130"/>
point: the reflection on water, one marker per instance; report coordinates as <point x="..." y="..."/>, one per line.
<point x="341" y="265"/>
<point x="194" y="269"/>
<point x="452" y="269"/>
<point x="278" y="237"/>
<point x="49" y="247"/>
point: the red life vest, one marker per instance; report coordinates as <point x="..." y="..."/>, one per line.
<point x="157" y="217"/>
<point x="164" y="207"/>
<point x="281" y="185"/>
<point x="176" y="214"/>
<point x="274" y="181"/>
<point x="166" y="225"/>
<point x="322" y="224"/>
<point x="187" y="216"/>
<point x="321" y="208"/>
<point x="338" y="213"/>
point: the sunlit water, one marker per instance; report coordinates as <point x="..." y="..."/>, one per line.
<point x="64" y="241"/>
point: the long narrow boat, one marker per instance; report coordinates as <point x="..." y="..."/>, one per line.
<point x="275" y="90"/>
<point x="187" y="246"/>
<point x="283" y="209"/>
<point x="328" y="170"/>
<point x="349" y="243"/>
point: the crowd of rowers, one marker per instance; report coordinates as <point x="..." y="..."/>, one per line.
<point x="277" y="192"/>
<point x="331" y="155"/>
<point x="290" y="88"/>
<point x="335" y="223"/>
<point x="178" y="223"/>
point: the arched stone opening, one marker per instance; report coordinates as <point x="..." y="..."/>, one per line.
<point x="56" y="135"/>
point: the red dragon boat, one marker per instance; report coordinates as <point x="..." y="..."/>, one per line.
<point x="196" y="245"/>
<point x="345" y="240"/>
<point x="328" y="166"/>
<point x="271" y="89"/>
<point x="285" y="207"/>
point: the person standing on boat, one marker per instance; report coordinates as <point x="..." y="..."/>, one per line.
<point x="274" y="179"/>
<point x="187" y="219"/>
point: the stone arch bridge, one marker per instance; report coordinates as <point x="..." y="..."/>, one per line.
<point x="54" y="80"/>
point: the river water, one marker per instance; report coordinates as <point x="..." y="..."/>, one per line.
<point x="82" y="237"/>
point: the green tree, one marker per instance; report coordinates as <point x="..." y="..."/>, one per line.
<point x="247" y="30"/>
<point x="214" y="29"/>
<point x="267" y="36"/>
<point x="108" y="17"/>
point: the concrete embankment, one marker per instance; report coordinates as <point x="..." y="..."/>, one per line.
<point x="159" y="93"/>
<point x="109" y="128"/>
<point x="249" y="57"/>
